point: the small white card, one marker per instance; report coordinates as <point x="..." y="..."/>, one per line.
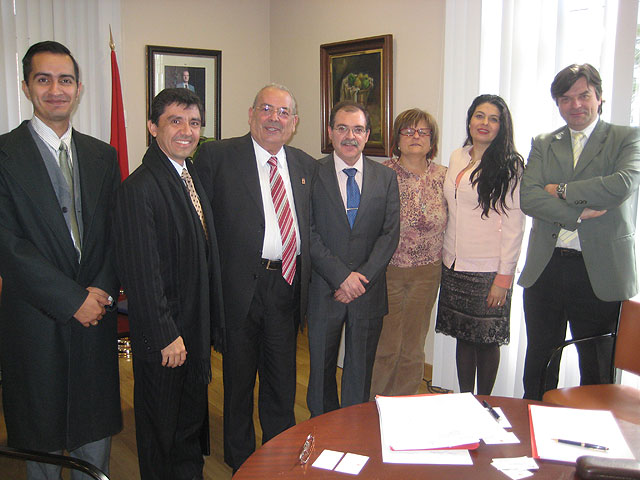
<point x="328" y="459"/>
<point x="515" y="463"/>
<point x="352" y="463"/>
<point x="517" y="474"/>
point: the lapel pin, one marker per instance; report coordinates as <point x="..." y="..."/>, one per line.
<point x="304" y="182"/>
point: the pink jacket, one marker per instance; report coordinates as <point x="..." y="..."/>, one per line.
<point x="476" y="244"/>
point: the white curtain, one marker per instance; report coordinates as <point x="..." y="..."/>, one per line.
<point x="83" y="27"/>
<point x="514" y="48"/>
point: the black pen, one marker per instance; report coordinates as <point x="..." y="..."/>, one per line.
<point x="495" y="414"/>
<point x="592" y="446"/>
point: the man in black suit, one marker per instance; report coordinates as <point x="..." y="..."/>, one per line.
<point x="260" y="190"/>
<point x="168" y="263"/>
<point x="60" y="382"/>
<point x="355" y="229"/>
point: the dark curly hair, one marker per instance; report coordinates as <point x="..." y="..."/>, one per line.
<point x="501" y="165"/>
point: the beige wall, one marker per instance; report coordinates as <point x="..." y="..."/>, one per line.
<point x="298" y="28"/>
<point x="239" y="28"/>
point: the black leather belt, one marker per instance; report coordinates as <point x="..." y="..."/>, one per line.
<point x="567" y="252"/>
<point x="271" y="264"/>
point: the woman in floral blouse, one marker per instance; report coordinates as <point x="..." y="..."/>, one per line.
<point x="413" y="275"/>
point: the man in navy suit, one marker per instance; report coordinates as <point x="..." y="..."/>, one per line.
<point x="60" y="382"/>
<point x="354" y="232"/>
<point x="581" y="188"/>
<point x="266" y="272"/>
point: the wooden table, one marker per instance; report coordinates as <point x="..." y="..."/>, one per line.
<point x="356" y="429"/>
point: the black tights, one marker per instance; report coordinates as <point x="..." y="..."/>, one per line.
<point x="481" y="357"/>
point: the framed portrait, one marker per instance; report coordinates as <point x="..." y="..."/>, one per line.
<point x="359" y="70"/>
<point x="193" y="68"/>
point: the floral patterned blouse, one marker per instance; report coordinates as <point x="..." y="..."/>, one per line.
<point x="423" y="215"/>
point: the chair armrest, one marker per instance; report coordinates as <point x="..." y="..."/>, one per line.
<point x="53" y="459"/>
<point x="558" y="351"/>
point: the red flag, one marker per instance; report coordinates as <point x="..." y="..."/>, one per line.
<point x="118" y="131"/>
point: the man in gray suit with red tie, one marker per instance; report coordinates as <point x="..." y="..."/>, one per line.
<point x="354" y="232"/>
<point x="581" y="188"/>
<point x="260" y="192"/>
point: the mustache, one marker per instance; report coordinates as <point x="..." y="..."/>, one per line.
<point x="347" y="141"/>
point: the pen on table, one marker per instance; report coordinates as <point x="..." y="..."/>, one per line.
<point x="495" y="414"/>
<point x="592" y="446"/>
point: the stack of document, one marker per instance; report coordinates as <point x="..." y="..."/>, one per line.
<point x="433" y="429"/>
<point x="564" y="434"/>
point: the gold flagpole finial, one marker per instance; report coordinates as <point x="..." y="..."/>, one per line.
<point x="111" y="44"/>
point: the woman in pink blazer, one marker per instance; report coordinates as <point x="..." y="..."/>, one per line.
<point x="481" y="242"/>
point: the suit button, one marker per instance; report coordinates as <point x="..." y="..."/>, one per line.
<point x="554" y="235"/>
<point x="65" y="209"/>
<point x="255" y="276"/>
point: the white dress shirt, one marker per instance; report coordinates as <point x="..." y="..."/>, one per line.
<point x="272" y="243"/>
<point x="51" y="139"/>
<point x="342" y="177"/>
<point x="574" y="243"/>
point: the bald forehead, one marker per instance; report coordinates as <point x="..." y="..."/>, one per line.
<point x="271" y="92"/>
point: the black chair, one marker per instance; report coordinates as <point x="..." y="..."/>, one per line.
<point x="52" y="459"/>
<point x="622" y="400"/>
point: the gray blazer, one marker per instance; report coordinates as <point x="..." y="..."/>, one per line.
<point x="337" y="250"/>
<point x="606" y="177"/>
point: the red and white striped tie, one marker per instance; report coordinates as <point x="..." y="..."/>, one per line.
<point x="285" y="222"/>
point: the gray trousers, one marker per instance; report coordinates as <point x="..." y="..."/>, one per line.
<point x="96" y="453"/>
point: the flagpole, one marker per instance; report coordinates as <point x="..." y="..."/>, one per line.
<point x="118" y="129"/>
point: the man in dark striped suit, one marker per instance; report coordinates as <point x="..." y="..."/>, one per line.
<point x="167" y="259"/>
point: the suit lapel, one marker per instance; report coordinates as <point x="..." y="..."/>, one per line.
<point x="245" y="161"/>
<point x="299" y="187"/>
<point x="593" y="147"/>
<point x="27" y="169"/>
<point x="562" y="152"/>
<point x="327" y="174"/>
<point x="93" y="172"/>
<point x="369" y="179"/>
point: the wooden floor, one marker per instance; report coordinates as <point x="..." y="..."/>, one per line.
<point x="124" y="460"/>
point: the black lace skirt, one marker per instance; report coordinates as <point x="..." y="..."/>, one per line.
<point x="463" y="311"/>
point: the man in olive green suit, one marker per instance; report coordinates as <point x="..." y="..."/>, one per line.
<point x="581" y="188"/>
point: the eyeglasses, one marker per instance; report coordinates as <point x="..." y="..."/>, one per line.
<point x="268" y="110"/>
<point x="410" y="132"/>
<point x="357" y="131"/>
<point x="307" y="449"/>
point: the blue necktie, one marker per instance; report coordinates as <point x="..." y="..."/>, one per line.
<point x="353" y="195"/>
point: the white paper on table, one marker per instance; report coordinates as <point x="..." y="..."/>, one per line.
<point x="328" y="459"/>
<point x="506" y="437"/>
<point x="422" y="422"/>
<point x="427" y="457"/>
<point x="517" y="474"/>
<point x="503" y="421"/>
<point x="592" y="426"/>
<point x="352" y="463"/>
<point x="515" y="463"/>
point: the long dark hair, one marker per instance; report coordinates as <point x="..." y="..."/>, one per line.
<point x="501" y="165"/>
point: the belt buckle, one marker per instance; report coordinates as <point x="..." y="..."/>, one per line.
<point x="268" y="265"/>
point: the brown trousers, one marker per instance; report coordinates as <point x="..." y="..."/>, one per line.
<point x="399" y="364"/>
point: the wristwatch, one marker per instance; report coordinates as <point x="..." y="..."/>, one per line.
<point x="561" y="190"/>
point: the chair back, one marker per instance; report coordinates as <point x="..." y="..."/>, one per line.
<point x="627" y="355"/>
